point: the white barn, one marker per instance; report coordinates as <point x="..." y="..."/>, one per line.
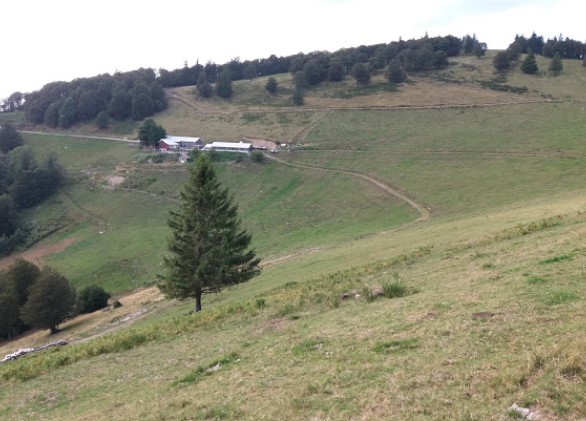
<point x="229" y="147"/>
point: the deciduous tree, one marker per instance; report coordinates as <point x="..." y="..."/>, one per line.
<point x="395" y="72"/>
<point x="272" y="85"/>
<point x="92" y="298"/>
<point x="336" y="72"/>
<point x="150" y="133"/>
<point x="208" y="249"/>
<point x="102" y="120"/>
<point x="51" y="300"/>
<point x="361" y="73"/>
<point x="501" y="61"/>
<point x="9" y="138"/>
<point x="298" y="98"/>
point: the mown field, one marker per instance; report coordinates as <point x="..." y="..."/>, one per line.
<point x="488" y="307"/>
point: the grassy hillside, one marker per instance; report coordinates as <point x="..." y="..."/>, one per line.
<point x="489" y="289"/>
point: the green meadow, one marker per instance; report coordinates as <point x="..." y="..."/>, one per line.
<point x="483" y="299"/>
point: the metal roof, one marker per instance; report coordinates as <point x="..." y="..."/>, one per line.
<point x="231" y="145"/>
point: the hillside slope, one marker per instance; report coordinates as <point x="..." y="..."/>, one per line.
<point x="489" y="294"/>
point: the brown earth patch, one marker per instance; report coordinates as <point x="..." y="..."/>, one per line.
<point x="37" y="253"/>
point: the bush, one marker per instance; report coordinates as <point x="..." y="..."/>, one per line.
<point x="92" y="298"/>
<point x="395" y="289"/>
<point x="257" y="156"/>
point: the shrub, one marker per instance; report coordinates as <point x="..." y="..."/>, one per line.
<point x="395" y="289"/>
<point x="257" y="156"/>
<point x="116" y="304"/>
<point x="92" y="298"/>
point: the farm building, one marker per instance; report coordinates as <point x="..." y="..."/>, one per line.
<point x="180" y="142"/>
<point x="229" y="147"/>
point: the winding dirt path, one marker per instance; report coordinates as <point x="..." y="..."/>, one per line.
<point x="424" y="212"/>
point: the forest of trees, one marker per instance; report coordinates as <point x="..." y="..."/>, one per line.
<point x="23" y="183"/>
<point x="41" y="298"/>
<point x="137" y="94"/>
<point x="566" y="48"/>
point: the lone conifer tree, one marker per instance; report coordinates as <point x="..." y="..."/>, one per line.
<point x="556" y="65"/>
<point x="208" y="247"/>
<point x="529" y="65"/>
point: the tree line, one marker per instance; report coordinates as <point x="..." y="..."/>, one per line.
<point x="31" y="297"/>
<point x="23" y="184"/>
<point x="139" y="93"/>
<point x="136" y="94"/>
<point x="555" y="48"/>
<point x="566" y="48"/>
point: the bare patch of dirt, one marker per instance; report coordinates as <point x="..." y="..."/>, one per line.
<point x="262" y="143"/>
<point x="115" y="180"/>
<point x="37" y="253"/>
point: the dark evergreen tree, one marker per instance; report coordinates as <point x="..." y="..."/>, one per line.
<point x="92" y="298"/>
<point x="395" y="72"/>
<point x="529" y="65"/>
<point x="272" y="86"/>
<point x="479" y="49"/>
<point x="224" y="84"/>
<point x="204" y="89"/>
<point x="535" y="44"/>
<point x="556" y="65"/>
<point x="51" y="300"/>
<point x="9" y="138"/>
<point x="208" y="249"/>
<point x="361" y="73"/>
<point x="150" y="133"/>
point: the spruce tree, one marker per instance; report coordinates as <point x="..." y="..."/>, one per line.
<point x="529" y="65"/>
<point x="208" y="249"/>
<point x="556" y="65"/>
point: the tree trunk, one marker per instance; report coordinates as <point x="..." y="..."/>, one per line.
<point x="54" y="330"/>
<point x="198" y="301"/>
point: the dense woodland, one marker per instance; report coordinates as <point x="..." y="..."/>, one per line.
<point x="23" y="184"/>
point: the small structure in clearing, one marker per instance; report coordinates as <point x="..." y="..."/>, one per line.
<point x="180" y="142"/>
<point x="243" y="147"/>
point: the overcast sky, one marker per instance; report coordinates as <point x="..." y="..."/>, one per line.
<point x="45" y="41"/>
